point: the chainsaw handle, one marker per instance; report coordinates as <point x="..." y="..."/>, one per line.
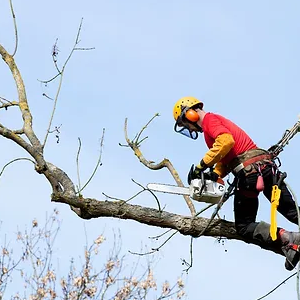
<point x="202" y="182"/>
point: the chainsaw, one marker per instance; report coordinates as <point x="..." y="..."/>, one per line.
<point x="201" y="190"/>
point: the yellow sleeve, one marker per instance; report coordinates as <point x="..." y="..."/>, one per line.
<point x="222" y="145"/>
<point x="221" y="169"/>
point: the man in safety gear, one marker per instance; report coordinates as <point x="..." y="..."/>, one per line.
<point x="232" y="150"/>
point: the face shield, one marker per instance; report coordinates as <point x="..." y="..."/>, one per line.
<point x="184" y="126"/>
<point x="186" y="132"/>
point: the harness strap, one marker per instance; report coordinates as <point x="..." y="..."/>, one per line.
<point x="250" y="161"/>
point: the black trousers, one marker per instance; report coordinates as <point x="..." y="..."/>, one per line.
<point x="246" y="201"/>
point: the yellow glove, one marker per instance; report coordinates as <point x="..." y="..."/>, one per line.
<point x="202" y="166"/>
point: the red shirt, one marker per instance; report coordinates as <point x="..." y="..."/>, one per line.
<point x="214" y="125"/>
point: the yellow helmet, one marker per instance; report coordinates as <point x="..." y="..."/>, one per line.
<point x="186" y="102"/>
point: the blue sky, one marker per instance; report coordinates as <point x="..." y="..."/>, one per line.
<point x="241" y="58"/>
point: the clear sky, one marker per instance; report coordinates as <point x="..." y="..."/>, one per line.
<point x="241" y="58"/>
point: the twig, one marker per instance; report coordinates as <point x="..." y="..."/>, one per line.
<point x="157" y="201"/>
<point x="284" y="281"/>
<point x="148" y="123"/>
<point x="54" y="56"/>
<point x="60" y="73"/>
<point x="204" y="209"/>
<point x="15" y="26"/>
<point x="191" y="257"/>
<point x="14" y="160"/>
<point x="49" y="80"/>
<point x="122" y="200"/>
<point x="85" y="49"/>
<point x="160" y="235"/>
<point x="3" y="100"/>
<point x="7" y="105"/>
<point x="97" y="164"/>
<point x="77" y="164"/>
<point x="19" y="131"/>
<point x="154" y="249"/>
<point x="45" y="95"/>
<point x="53" y="110"/>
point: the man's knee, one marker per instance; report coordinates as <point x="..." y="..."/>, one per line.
<point x="245" y="230"/>
<point x="241" y="229"/>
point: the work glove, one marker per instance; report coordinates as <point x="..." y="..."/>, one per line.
<point x="211" y="175"/>
<point x="194" y="173"/>
<point x="197" y="171"/>
<point x="202" y="166"/>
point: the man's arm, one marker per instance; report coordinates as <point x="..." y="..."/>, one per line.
<point x="222" y="145"/>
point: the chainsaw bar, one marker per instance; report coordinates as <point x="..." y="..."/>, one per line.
<point x="170" y="189"/>
<point x="199" y="190"/>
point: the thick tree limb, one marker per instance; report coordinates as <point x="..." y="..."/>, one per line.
<point x="92" y="208"/>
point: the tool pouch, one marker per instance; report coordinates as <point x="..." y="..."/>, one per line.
<point x="260" y="183"/>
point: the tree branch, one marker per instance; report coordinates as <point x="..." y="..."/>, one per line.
<point x="92" y="208"/>
<point x="6" y="103"/>
<point x="15" y="27"/>
<point x="165" y="163"/>
<point x="23" y="105"/>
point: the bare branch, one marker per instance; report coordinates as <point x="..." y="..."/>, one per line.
<point x="45" y="95"/>
<point x="49" y="80"/>
<point x="186" y="225"/>
<point x="284" y="281"/>
<point x="153" y="250"/>
<point x="189" y="264"/>
<point x="165" y="163"/>
<point x="19" y="131"/>
<point x="23" y="105"/>
<point x="53" y="110"/>
<point x="77" y="164"/>
<point x="157" y="201"/>
<point x="56" y="131"/>
<point x="7" y="104"/>
<point x="160" y="235"/>
<point x="135" y="195"/>
<point x="60" y="73"/>
<point x="84" y="49"/>
<point x="204" y="209"/>
<point x="14" y="160"/>
<point x="140" y="133"/>
<point x="15" y="26"/>
<point x="97" y="164"/>
<point x="54" y="58"/>
<point x="127" y="200"/>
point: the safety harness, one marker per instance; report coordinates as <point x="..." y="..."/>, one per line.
<point x="248" y="158"/>
<point x="250" y="161"/>
<point x="245" y="162"/>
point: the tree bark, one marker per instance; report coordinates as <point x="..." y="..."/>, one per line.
<point x="186" y="225"/>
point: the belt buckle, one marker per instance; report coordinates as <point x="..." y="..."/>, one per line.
<point x="238" y="168"/>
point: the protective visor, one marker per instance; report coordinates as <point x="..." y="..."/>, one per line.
<point x="186" y="132"/>
<point x="182" y="126"/>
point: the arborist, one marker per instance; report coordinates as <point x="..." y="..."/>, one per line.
<point x="231" y="150"/>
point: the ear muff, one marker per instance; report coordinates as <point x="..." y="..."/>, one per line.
<point x="192" y="115"/>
